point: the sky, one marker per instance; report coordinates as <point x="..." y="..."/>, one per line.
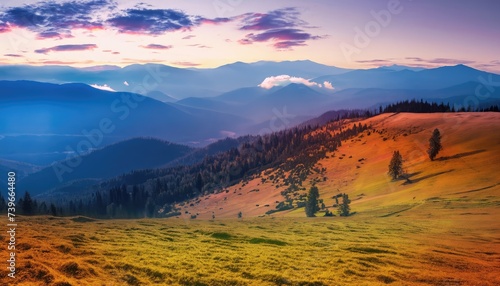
<point x="211" y="33"/>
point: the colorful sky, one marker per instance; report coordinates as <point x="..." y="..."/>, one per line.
<point x="210" y="33"/>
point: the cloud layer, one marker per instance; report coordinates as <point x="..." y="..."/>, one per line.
<point x="282" y="80"/>
<point x="282" y="28"/>
<point x="50" y="19"/>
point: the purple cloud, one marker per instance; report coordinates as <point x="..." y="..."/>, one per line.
<point x="55" y="20"/>
<point x="276" y="19"/>
<point x="66" y="48"/>
<point x="157" y="47"/>
<point x="140" y="20"/>
<point x="281" y="38"/>
<point x="282" y="27"/>
<point x="13" y="55"/>
<point x="150" y="21"/>
<point x="446" y="61"/>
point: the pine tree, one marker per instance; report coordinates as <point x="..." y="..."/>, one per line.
<point x="312" y="201"/>
<point x="434" y="144"/>
<point x="344" y="208"/>
<point x="53" y="209"/>
<point x="27" y="204"/>
<point x="396" y="165"/>
<point x="3" y="204"/>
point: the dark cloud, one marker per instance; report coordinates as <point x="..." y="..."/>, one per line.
<point x="52" y="35"/>
<point x="157" y="47"/>
<point x="277" y="19"/>
<point x="150" y="21"/>
<point x="52" y="19"/>
<point x="188" y="37"/>
<point x="282" y="27"/>
<point x="13" y="55"/>
<point x="375" y="61"/>
<point x="216" y="21"/>
<point x="446" y="61"/>
<point x="286" y="45"/>
<point x="417" y="59"/>
<point x="65" y="48"/>
<point x="141" y="20"/>
<point x="281" y="38"/>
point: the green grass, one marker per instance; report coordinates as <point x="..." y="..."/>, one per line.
<point x="361" y="250"/>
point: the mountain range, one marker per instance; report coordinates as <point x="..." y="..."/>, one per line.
<point x="46" y="122"/>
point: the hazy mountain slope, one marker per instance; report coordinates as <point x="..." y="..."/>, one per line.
<point x="110" y="161"/>
<point x="427" y="79"/>
<point x="74" y="110"/>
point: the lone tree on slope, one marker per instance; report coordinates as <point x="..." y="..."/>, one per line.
<point x="434" y="144"/>
<point x="396" y="166"/>
<point x="312" y="201"/>
<point x="345" y="208"/>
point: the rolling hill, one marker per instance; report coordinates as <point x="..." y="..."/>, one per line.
<point x="463" y="179"/>
<point x="110" y="161"/>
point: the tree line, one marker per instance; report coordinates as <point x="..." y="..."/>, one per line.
<point x="415" y="106"/>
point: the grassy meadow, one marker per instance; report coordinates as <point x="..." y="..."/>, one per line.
<point x="370" y="249"/>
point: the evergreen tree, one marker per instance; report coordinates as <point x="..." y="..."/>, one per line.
<point x="3" y="204"/>
<point x="150" y="208"/>
<point x="312" y="201"/>
<point x="53" y="210"/>
<point x="199" y="182"/>
<point x="27" y="204"/>
<point x="434" y="144"/>
<point x="396" y="165"/>
<point x="344" y="208"/>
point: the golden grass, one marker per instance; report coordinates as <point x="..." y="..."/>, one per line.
<point x="368" y="249"/>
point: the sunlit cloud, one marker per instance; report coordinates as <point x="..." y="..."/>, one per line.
<point x="103" y="87"/>
<point x="328" y="85"/>
<point x="282" y="80"/>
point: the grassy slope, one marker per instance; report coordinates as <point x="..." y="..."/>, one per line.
<point x="442" y="229"/>
<point x="464" y="173"/>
